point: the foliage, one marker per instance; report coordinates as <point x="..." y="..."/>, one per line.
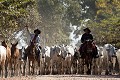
<point x="53" y="17"/>
<point x="10" y="12"/>
<point x="106" y="26"/>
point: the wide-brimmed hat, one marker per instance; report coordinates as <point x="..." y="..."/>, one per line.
<point x="37" y="31"/>
<point x="87" y="29"/>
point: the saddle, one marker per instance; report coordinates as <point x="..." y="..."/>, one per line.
<point x="87" y="48"/>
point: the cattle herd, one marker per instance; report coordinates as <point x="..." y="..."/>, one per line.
<point x="57" y="59"/>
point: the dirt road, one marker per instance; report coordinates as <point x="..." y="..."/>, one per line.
<point x="64" y="77"/>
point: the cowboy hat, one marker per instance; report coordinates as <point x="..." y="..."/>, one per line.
<point x="87" y="29"/>
<point x="37" y="31"/>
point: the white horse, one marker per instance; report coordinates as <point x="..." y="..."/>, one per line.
<point x="3" y="54"/>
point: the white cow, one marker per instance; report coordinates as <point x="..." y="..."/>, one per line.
<point x="118" y="60"/>
<point x="52" y="60"/>
<point x="109" y="58"/>
<point x="56" y="60"/>
<point x="69" y="51"/>
<point x="45" y="60"/>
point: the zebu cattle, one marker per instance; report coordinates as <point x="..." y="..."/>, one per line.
<point x="45" y="60"/>
<point x="97" y="62"/>
<point x="15" y="56"/>
<point x="23" y="60"/>
<point x="76" y="62"/>
<point x="56" y="60"/>
<point x="69" y="53"/>
<point x="3" y="54"/>
<point x="118" y="60"/>
<point x="109" y="58"/>
<point x="8" y="57"/>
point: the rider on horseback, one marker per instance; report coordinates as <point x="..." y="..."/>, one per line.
<point x="36" y="39"/>
<point x="87" y="36"/>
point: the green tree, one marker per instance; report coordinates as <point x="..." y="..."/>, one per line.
<point x="10" y="13"/>
<point x="106" y="25"/>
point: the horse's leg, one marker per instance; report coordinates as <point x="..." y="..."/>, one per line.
<point x="87" y="68"/>
<point x="11" y="67"/>
<point x="82" y="66"/>
<point x="21" y="67"/>
<point x="17" y="69"/>
<point x="51" y="63"/>
<point x="29" y="67"/>
<point x="79" y="66"/>
<point x="38" y="67"/>
<point x="14" y="68"/>
<point x="89" y="65"/>
<point x="6" y="66"/>
<point x="24" y="66"/>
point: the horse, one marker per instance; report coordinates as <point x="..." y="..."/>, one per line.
<point x="15" y="59"/>
<point x="8" y="56"/>
<point x="3" y="54"/>
<point x="87" y="55"/>
<point x="32" y="57"/>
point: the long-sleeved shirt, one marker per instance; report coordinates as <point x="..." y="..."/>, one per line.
<point x="86" y="36"/>
<point x="37" y="41"/>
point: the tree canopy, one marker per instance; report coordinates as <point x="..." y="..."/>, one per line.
<point x="54" y="17"/>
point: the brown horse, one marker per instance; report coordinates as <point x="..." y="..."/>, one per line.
<point x="15" y="59"/>
<point x="32" y="57"/>
<point x="87" y="56"/>
<point x="8" y="56"/>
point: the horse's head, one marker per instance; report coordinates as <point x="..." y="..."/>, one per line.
<point x="4" y="43"/>
<point x="89" y="46"/>
<point x="13" y="47"/>
<point x="32" y="47"/>
<point x="32" y="44"/>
